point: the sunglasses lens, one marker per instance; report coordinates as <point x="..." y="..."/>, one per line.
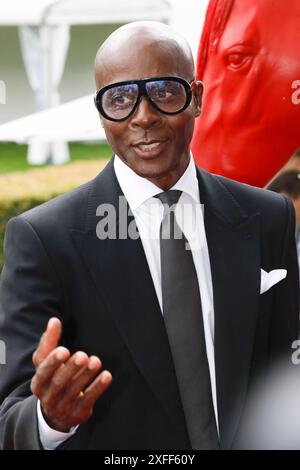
<point x="169" y="96"/>
<point x="118" y="101"/>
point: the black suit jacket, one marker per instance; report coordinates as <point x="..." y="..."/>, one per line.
<point x="104" y="294"/>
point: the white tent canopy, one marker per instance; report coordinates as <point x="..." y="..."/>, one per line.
<point x="44" y="27"/>
<point x="73" y="121"/>
<point x="77" y="120"/>
<point x="44" y="34"/>
<point x="75" y="12"/>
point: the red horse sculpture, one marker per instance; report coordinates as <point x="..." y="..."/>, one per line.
<point x="249" y="61"/>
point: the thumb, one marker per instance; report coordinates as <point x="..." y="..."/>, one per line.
<point x="48" y="341"/>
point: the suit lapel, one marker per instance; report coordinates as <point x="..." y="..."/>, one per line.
<point x="234" y="251"/>
<point x="120" y="272"/>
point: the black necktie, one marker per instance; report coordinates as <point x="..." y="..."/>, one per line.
<point x="184" y="324"/>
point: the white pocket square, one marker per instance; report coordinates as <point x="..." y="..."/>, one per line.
<point x="268" y="280"/>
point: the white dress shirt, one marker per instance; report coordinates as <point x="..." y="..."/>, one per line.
<point x="148" y="214"/>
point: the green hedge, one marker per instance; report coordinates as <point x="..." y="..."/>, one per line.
<point x="21" y="191"/>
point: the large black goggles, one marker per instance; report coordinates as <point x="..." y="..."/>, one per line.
<point x="118" y="101"/>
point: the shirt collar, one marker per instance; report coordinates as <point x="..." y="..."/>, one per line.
<point x="137" y="189"/>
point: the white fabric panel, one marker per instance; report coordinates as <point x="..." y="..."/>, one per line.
<point x="77" y="120"/>
<point x="187" y="17"/>
<point x="21" y="12"/>
<point x="35" y="12"/>
<point x="44" y="51"/>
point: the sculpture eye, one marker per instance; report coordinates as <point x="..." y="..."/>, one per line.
<point x="238" y="57"/>
<point x="235" y="60"/>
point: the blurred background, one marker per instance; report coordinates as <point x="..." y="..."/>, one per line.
<point x="50" y="136"/>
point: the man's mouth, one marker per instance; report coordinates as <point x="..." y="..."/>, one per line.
<point x="149" y="148"/>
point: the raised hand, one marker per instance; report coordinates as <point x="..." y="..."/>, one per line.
<point x="67" y="386"/>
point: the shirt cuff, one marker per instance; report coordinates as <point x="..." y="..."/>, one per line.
<point x="50" y="438"/>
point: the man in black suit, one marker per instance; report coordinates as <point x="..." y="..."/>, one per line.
<point x="105" y="292"/>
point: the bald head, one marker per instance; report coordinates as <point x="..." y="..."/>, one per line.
<point x="148" y="45"/>
<point x="154" y="143"/>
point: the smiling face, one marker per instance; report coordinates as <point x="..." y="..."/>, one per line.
<point x="249" y="125"/>
<point x="154" y="145"/>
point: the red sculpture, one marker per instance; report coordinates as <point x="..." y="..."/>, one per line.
<point x="249" y="61"/>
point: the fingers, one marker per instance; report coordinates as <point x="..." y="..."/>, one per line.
<point x="48" y="341"/>
<point x="67" y="381"/>
<point x="96" y="389"/>
<point x="64" y="384"/>
<point x="79" y="383"/>
<point x="67" y="413"/>
<point x="47" y="368"/>
<point x="86" y="400"/>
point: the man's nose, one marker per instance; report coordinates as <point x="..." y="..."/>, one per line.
<point x="145" y="115"/>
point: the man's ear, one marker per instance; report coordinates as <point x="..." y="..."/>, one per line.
<point x="197" y="89"/>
